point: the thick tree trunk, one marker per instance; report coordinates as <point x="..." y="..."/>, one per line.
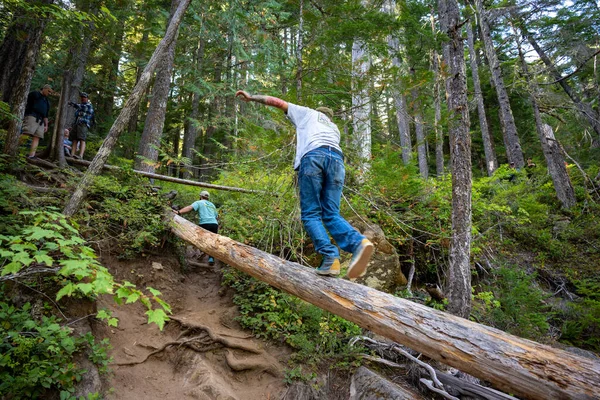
<point x="514" y="365"/>
<point x="155" y="118"/>
<point x="459" y="274"/>
<point x="23" y="32"/>
<point x="21" y="89"/>
<point x="507" y="121"/>
<point x="488" y="146"/>
<point x="123" y="118"/>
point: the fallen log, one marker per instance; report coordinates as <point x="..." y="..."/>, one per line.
<point x="512" y="364"/>
<point x="170" y="178"/>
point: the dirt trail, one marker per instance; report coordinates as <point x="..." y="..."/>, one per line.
<point x="213" y="358"/>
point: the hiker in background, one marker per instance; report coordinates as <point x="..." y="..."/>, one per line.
<point x="207" y="215"/>
<point x="84" y="115"/>
<point x="321" y="173"/>
<point x="67" y="144"/>
<point x="35" y="121"/>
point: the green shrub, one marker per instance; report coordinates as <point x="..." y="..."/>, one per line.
<point x="581" y="321"/>
<point x="513" y="303"/>
<point x="313" y="333"/>
<point x="36" y="356"/>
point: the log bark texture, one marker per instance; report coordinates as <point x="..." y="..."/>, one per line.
<point x="514" y="365"/>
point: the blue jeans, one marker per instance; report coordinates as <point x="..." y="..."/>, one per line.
<point x="321" y="179"/>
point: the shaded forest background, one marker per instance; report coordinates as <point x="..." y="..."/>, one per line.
<point x="533" y="92"/>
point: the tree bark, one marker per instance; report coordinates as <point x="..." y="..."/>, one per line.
<point x="191" y="133"/>
<point x="24" y="31"/>
<point x="459" y="274"/>
<point x="123" y="118"/>
<point x="555" y="159"/>
<point x="361" y="105"/>
<point x="389" y="6"/>
<point x="519" y="366"/>
<point x="437" y="105"/>
<point x="155" y="118"/>
<point x="488" y="145"/>
<point x="420" y="134"/>
<point x="507" y="121"/>
<point x="299" y="48"/>
<point x="21" y="89"/>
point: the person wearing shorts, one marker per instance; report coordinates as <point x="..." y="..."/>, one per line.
<point x="83" y="119"/>
<point x="35" y="120"/>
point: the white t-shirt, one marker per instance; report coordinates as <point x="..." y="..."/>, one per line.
<point x="313" y="129"/>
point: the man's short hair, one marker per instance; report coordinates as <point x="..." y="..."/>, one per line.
<point x="46" y="86"/>
<point x="327" y="111"/>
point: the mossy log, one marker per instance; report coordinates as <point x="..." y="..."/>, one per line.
<point x="514" y="365"/>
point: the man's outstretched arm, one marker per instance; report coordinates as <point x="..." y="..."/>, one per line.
<point x="266" y="100"/>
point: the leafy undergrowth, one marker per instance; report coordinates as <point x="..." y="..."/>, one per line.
<point x="45" y="260"/>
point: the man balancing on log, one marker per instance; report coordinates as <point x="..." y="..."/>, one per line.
<point x="319" y="163"/>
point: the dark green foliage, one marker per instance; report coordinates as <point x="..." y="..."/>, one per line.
<point x="36" y="354"/>
<point x="581" y="319"/>
<point x="516" y="305"/>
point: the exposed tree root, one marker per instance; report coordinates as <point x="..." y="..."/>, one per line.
<point x="254" y="364"/>
<point x="205" y="341"/>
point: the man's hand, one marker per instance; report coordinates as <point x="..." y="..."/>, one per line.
<point x="243" y="95"/>
<point x="71" y="104"/>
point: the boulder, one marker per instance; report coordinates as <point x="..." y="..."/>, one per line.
<point x="384" y="272"/>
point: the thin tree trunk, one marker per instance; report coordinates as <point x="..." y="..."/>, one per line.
<point x="133" y="120"/>
<point x="361" y="105"/>
<point x="512" y="364"/>
<point x="299" y="70"/>
<point x="507" y="121"/>
<point x="459" y="274"/>
<point x="21" y="89"/>
<point x="437" y="105"/>
<point x="550" y="146"/>
<point x="155" y="118"/>
<point x="420" y="134"/>
<point x="402" y="118"/>
<point x="71" y="87"/>
<point x="488" y="146"/>
<point x="123" y="118"/>
<point x="191" y="133"/>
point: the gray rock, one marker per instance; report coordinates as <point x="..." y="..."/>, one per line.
<point x="367" y="385"/>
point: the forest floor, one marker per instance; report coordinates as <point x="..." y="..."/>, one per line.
<point x="209" y="357"/>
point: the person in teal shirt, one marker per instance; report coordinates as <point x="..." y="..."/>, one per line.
<point x="208" y="217"/>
